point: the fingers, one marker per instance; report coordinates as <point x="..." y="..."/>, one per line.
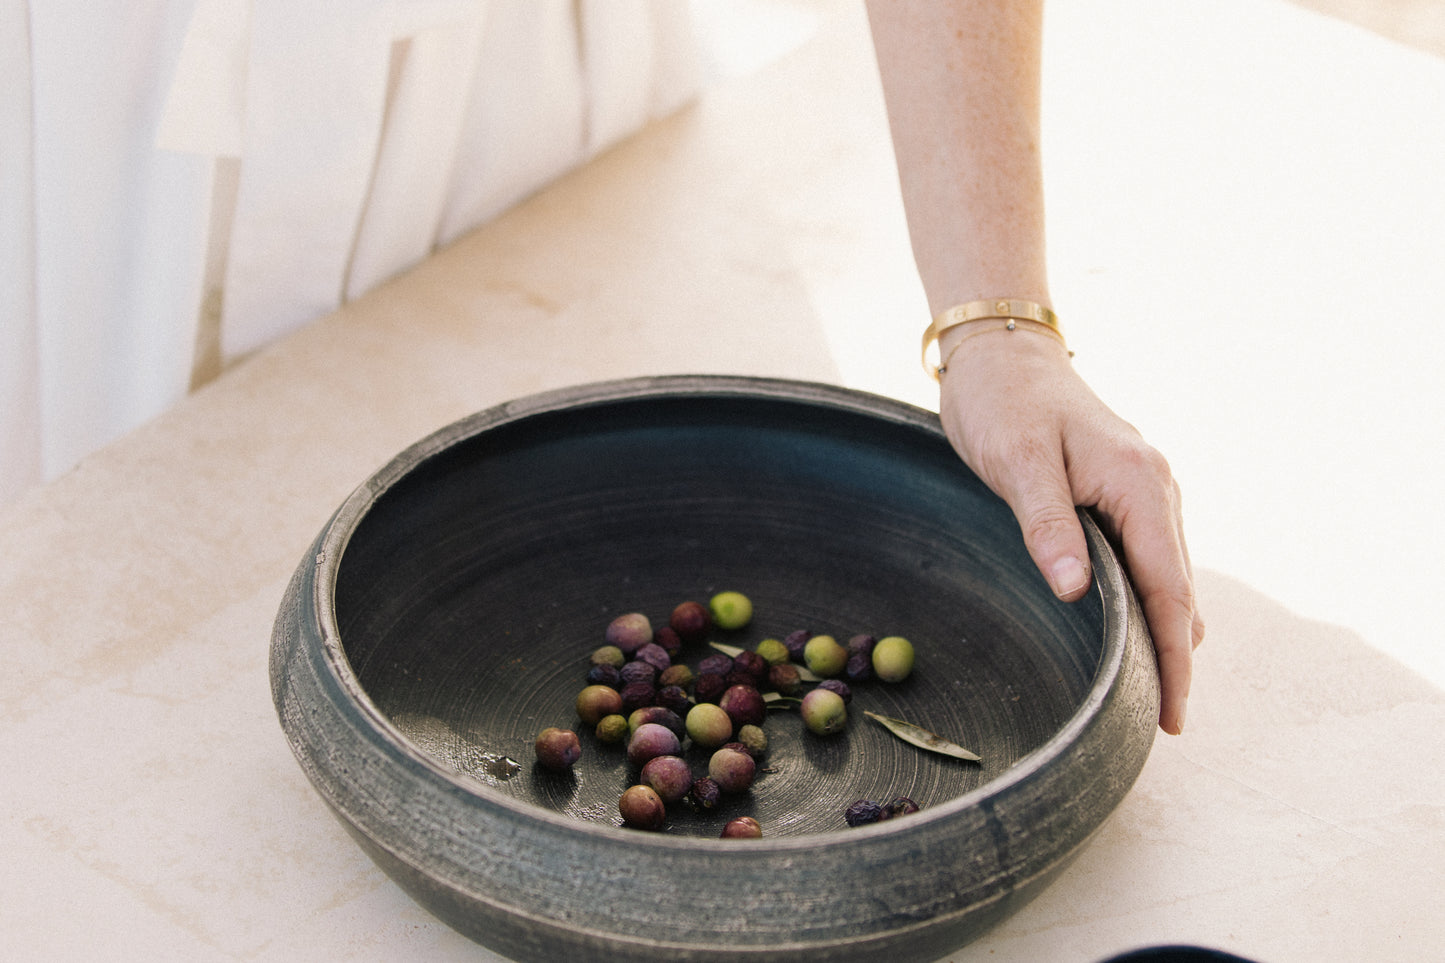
<point x="1150" y="532"/>
<point x="1052" y="533"/>
<point x="1032" y="479"/>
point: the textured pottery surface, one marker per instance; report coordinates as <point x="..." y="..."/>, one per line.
<point x="446" y="612"/>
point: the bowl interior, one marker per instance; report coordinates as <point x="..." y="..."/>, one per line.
<point x="474" y="589"/>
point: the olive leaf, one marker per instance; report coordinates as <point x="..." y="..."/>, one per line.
<point x="736" y="651"/>
<point x="922" y="738"/>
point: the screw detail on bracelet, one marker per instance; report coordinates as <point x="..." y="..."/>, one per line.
<point x="1011" y="310"/>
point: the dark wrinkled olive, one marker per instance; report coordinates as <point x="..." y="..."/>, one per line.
<point x="674" y="697"/>
<point x="838" y="686"/>
<point x="859" y="667"/>
<point x="901" y="806"/>
<point x="709" y="687"/>
<point x="635" y="695"/>
<point x="654" y="655"/>
<point x="704" y="794"/>
<point x="605" y="675"/>
<point x="639" y="672"/>
<point x="795" y="642"/>
<point x="716" y="663"/>
<point x="785" y="679"/>
<point x="753" y="664"/>
<point x="863" y="812"/>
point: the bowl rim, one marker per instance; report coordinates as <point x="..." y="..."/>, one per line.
<point x="1113" y="592"/>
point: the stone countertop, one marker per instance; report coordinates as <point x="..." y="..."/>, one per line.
<point x="152" y="809"/>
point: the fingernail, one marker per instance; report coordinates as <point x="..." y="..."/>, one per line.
<point x="1068" y="576"/>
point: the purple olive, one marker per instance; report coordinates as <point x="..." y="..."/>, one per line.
<point x="744" y="705"/>
<point x="642" y="808"/>
<point x="629" y="632"/>
<point x="639" y="671"/>
<point x="859" y="667"/>
<point x="717" y="663"/>
<point x="743" y="827"/>
<point x="674" y="697"/>
<point x="795" y="642"/>
<point x="691" y="621"/>
<point x="732" y="770"/>
<point x="670" y="641"/>
<point x="654" y="655"/>
<point x="753" y="664"/>
<point x="862" y="644"/>
<point x="651" y="740"/>
<point x="661" y="715"/>
<point x="557" y="748"/>
<point x="669" y="777"/>
<point x="605" y="675"/>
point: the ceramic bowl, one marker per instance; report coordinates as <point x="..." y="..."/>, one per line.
<point x="447" y="612"/>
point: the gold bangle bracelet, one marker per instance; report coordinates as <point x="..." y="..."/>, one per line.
<point x="1011" y="309"/>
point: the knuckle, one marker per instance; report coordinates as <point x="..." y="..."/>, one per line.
<point x="1047" y="523"/>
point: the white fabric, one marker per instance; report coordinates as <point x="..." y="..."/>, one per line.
<point x="268" y="159"/>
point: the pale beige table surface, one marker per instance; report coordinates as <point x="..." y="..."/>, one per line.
<point x="150" y="808"/>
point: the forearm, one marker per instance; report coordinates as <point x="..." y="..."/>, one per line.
<point x="961" y="84"/>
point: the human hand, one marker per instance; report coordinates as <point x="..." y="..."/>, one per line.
<point x="1020" y="416"/>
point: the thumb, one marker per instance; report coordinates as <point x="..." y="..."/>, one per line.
<point x="1044" y="507"/>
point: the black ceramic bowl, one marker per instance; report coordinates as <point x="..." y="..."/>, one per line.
<point x="446" y="614"/>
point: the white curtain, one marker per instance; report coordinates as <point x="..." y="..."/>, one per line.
<point x="190" y="178"/>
